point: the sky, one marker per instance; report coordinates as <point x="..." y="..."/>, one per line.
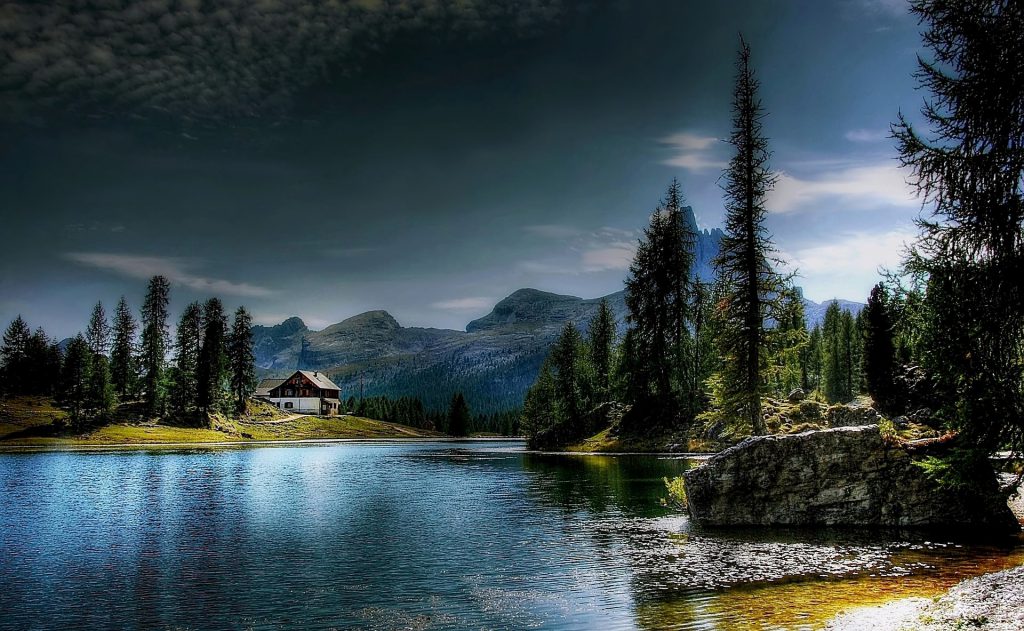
<point x="427" y="157"/>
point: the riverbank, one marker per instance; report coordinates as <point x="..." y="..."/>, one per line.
<point x="36" y="423"/>
<point x="993" y="601"/>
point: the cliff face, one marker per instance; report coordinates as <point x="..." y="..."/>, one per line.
<point x="847" y="476"/>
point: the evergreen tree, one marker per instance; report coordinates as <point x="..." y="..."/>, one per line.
<point x="213" y="364"/>
<point x="570" y="379"/>
<point x="812" y="359"/>
<point x="539" y="406"/>
<point x="14" y="356"/>
<point x="743" y="264"/>
<point x="458" y="416"/>
<point x="100" y="397"/>
<point x="969" y="166"/>
<point x="879" y="350"/>
<point x="75" y="379"/>
<point x="97" y="335"/>
<point x="242" y="362"/>
<point x="789" y="339"/>
<point x="123" y="372"/>
<point x="188" y="341"/>
<point x="601" y="340"/>
<point x="833" y="352"/>
<point x="705" y="357"/>
<point x="42" y="364"/>
<point x="660" y="384"/>
<point x="154" y="344"/>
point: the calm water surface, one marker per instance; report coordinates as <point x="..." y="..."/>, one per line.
<point x="445" y="535"/>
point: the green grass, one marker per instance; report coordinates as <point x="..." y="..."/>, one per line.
<point x="29" y="422"/>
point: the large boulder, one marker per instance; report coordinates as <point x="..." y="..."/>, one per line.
<point x="847" y="476"/>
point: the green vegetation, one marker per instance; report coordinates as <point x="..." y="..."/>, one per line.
<point x="34" y="421"/>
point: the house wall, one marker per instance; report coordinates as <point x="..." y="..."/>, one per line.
<point x="305" y="405"/>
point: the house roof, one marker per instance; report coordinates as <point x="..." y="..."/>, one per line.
<point x="266" y="385"/>
<point x="320" y="379"/>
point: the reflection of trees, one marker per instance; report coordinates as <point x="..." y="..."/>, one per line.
<point x="630" y="485"/>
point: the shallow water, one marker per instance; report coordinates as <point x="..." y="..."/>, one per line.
<point x="476" y="535"/>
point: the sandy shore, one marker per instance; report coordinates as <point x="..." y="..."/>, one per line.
<point x="994" y="602"/>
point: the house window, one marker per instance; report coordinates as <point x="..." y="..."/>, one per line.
<point x="288" y="404"/>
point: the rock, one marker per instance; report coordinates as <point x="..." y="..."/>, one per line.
<point x="797" y="395"/>
<point x="850" y="416"/>
<point x="844" y="476"/>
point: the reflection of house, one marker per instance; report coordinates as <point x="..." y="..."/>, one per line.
<point x="307" y="392"/>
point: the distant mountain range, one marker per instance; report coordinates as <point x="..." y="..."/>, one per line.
<point x="492" y="362"/>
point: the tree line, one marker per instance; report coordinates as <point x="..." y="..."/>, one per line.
<point x="944" y="332"/>
<point x="207" y="368"/>
<point x="455" y="420"/>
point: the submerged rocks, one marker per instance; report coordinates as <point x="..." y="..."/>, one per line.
<point x="844" y="476"/>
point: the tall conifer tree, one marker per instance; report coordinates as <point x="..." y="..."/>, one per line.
<point x="601" y="340"/>
<point x="242" y="360"/>
<point x="187" y="344"/>
<point x="968" y="167"/>
<point x="123" y="371"/>
<point x="744" y="263"/>
<point x="212" y="371"/>
<point x="153" y="350"/>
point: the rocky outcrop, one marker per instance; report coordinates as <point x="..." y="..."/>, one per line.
<point x="851" y="416"/>
<point x="846" y="476"/>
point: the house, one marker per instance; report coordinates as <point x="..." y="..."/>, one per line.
<point x="306" y="392"/>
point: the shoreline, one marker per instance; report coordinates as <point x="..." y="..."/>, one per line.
<point x="84" y="446"/>
<point x="992" y="601"/>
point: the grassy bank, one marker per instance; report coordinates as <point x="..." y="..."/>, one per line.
<point x="36" y="422"/>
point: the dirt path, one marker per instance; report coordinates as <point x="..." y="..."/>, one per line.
<point x="283" y="420"/>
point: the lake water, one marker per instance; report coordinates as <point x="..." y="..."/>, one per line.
<point x="438" y="535"/>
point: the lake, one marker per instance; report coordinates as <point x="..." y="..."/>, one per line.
<point x="418" y="535"/>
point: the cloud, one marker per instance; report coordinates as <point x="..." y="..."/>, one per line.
<point x="848" y="264"/>
<point x="868" y="186"/>
<point x="176" y="270"/>
<point x="215" y="60"/>
<point x="553" y="231"/>
<point x="867" y="135"/>
<point x="890" y="7"/>
<point x="473" y="303"/>
<point x="585" y="251"/>
<point x="694" y="152"/>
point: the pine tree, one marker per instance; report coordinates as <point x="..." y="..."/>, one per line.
<point x="660" y="383"/>
<point x="100" y="397"/>
<point x="212" y="370"/>
<point x="570" y="379"/>
<point x="188" y="341"/>
<point x="812" y="359"/>
<point x="242" y="360"/>
<point x="539" y="406"/>
<point x="97" y="335"/>
<point x="13" y="356"/>
<point x="458" y="416"/>
<point x="789" y="339"/>
<point x="42" y="364"/>
<point x="601" y="340"/>
<point x="75" y="378"/>
<point x="154" y="344"/>
<point x="835" y="368"/>
<point x="744" y="263"/>
<point x="968" y="166"/>
<point x="123" y="371"/>
<point x="879" y="350"/>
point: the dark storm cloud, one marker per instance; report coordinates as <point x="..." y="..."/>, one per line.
<point x="205" y="59"/>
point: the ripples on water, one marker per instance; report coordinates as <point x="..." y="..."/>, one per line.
<point x="415" y="536"/>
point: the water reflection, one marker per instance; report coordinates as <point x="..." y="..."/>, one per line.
<point x="415" y="535"/>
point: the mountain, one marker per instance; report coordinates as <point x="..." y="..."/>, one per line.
<point x="492" y="362"/>
<point x="815" y="311"/>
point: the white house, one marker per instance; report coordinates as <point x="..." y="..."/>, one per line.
<point x="305" y="392"/>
